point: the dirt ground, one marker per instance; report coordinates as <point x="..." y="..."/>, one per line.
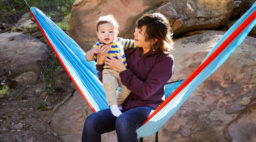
<point x="26" y="111"/>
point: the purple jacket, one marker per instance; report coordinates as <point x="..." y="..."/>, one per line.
<point x="145" y="77"/>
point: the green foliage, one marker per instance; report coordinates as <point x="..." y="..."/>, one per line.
<point x="4" y="90"/>
<point x="42" y="106"/>
<point x="64" y="24"/>
<point x="18" y="2"/>
<point x="52" y="5"/>
<point x="14" y="28"/>
<point x="50" y="73"/>
<point x="4" y="8"/>
<point x="58" y="10"/>
<point x="6" y="124"/>
<point x="14" y="5"/>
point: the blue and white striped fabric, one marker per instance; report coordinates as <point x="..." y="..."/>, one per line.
<point x="84" y="73"/>
<point x="73" y="59"/>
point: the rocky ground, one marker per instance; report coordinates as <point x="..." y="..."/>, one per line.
<point x="29" y="94"/>
<point x="25" y="117"/>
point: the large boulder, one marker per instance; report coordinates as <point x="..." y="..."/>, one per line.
<point x="20" y="56"/>
<point x="85" y="13"/>
<point x="221" y="99"/>
<point x="25" y="21"/>
<point x="196" y="15"/>
<point x="68" y="120"/>
<point x="219" y="110"/>
<point x="243" y="129"/>
<point x="184" y="16"/>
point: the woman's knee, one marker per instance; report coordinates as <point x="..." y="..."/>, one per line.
<point x="90" y="122"/>
<point x="123" y="123"/>
<point x="126" y="129"/>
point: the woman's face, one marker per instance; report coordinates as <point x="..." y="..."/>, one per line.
<point x="140" y="38"/>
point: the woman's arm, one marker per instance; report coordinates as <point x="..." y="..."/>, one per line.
<point x="115" y="64"/>
<point x="158" y="76"/>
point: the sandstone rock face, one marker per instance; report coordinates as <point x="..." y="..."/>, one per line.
<point x="85" y="13"/>
<point x="69" y="119"/>
<point x="243" y="129"/>
<point x="26" y="78"/>
<point x="196" y="15"/>
<point x="221" y="109"/>
<point x="20" y="53"/>
<point x="25" y="21"/>
<point x="184" y="16"/>
<point x="221" y="98"/>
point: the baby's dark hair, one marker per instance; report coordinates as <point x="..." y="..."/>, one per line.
<point x="157" y="27"/>
<point x="107" y="19"/>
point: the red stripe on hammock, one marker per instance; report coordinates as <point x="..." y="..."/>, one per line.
<point x="41" y="29"/>
<point x="230" y="38"/>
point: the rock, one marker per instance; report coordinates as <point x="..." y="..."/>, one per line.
<point x="4" y="27"/>
<point x="241" y="102"/>
<point x="19" y="54"/>
<point x="243" y="129"/>
<point x="68" y="120"/>
<point x="85" y="13"/>
<point x="241" y="6"/>
<point x="205" y="115"/>
<point x="25" y="21"/>
<point x="184" y="16"/>
<point x="196" y="15"/>
<point x="18" y="126"/>
<point x="26" y="78"/>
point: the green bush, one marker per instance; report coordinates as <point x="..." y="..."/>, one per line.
<point x="58" y="10"/>
<point x="50" y="73"/>
<point x="4" y="90"/>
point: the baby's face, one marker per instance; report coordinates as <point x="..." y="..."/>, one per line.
<point x="107" y="33"/>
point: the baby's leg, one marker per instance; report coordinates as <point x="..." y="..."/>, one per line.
<point x="110" y="85"/>
<point x="123" y="92"/>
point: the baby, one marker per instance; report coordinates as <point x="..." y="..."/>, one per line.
<point x="107" y="31"/>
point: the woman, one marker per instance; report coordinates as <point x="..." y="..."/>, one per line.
<point x="149" y="68"/>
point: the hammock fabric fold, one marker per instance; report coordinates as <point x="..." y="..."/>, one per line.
<point x="84" y="73"/>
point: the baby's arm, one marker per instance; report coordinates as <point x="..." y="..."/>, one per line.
<point x="94" y="50"/>
<point x="128" y="43"/>
<point x="90" y="54"/>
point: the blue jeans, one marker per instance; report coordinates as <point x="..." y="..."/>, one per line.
<point x="125" y="125"/>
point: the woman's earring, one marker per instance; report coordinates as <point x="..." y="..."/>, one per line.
<point x="154" y="47"/>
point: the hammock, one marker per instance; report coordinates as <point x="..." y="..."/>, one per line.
<point x="84" y="73"/>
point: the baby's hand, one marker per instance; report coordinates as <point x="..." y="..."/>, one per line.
<point x="103" y="53"/>
<point x="96" y="50"/>
<point x="105" y="48"/>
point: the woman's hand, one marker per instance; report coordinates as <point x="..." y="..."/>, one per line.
<point x="103" y="53"/>
<point x="115" y="64"/>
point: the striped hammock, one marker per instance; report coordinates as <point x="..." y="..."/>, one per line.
<point x="84" y="74"/>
